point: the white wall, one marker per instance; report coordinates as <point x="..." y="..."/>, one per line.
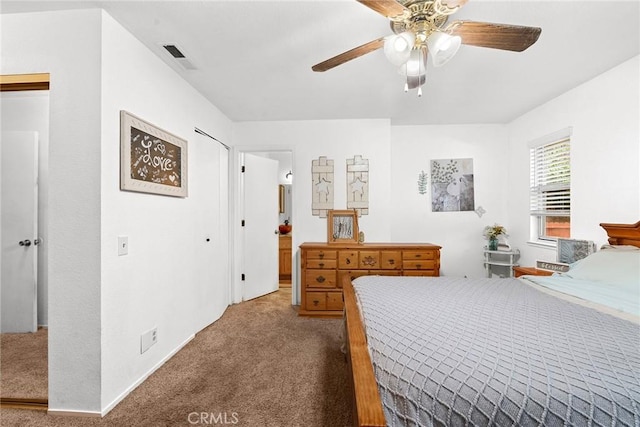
<point x="605" y="156"/>
<point x="67" y="45"/>
<point x="99" y="303"/>
<point x="338" y="140"/>
<point x="167" y="280"/>
<point x="459" y="233"/>
<point x="29" y="110"/>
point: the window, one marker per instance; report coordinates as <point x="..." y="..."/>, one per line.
<point x="550" y="189"/>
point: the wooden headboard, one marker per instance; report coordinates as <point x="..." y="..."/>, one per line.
<point x="623" y="234"/>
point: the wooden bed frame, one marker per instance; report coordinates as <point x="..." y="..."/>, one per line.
<point x="367" y="406"/>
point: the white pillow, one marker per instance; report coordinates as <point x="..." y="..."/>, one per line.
<point x="615" y="267"/>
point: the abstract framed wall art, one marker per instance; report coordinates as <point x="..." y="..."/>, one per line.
<point x="152" y="160"/>
<point x="452" y="185"/>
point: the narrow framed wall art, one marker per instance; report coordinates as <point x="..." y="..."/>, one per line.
<point x="342" y="226"/>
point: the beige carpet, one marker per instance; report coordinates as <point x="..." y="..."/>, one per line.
<point x="259" y="365"/>
<point x="23" y="365"/>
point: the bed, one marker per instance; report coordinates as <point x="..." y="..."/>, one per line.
<point x="455" y="351"/>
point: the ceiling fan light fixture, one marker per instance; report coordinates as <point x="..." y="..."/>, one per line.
<point x="416" y="64"/>
<point x="397" y="48"/>
<point x="442" y="47"/>
<point x="415" y="69"/>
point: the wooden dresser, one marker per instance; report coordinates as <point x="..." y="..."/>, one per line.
<point x="323" y="267"/>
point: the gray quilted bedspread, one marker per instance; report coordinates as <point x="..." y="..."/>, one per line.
<point x="497" y="352"/>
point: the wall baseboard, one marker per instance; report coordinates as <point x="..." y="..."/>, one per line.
<point x="125" y="393"/>
<point x="68" y="413"/>
<point x="23" y="403"/>
<point x="110" y="406"/>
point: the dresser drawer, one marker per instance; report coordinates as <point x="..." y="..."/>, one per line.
<point x="322" y="301"/>
<point x="418" y="255"/>
<point x="419" y="265"/>
<point x="390" y="260"/>
<point x="316" y="301"/>
<point x="369" y="260"/>
<point x="320" y="279"/>
<point x="321" y="254"/>
<point x="284" y="242"/>
<point x="347" y="259"/>
<point x="321" y="263"/>
<point x="334" y="301"/>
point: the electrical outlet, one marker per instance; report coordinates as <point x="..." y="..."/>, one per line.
<point x="123" y="245"/>
<point x="148" y="339"/>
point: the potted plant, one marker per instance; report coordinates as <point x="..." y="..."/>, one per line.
<point x="491" y="233"/>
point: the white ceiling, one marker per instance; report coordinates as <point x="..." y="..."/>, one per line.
<point x="254" y="58"/>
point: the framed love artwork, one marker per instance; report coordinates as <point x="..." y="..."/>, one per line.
<point x="152" y="160"/>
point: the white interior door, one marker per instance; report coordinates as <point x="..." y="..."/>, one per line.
<point x="209" y="182"/>
<point x="260" y="253"/>
<point x="19" y="233"/>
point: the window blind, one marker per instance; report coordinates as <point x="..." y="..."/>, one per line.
<point x="550" y="167"/>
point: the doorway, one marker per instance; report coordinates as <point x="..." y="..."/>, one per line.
<point x="25" y="107"/>
<point x="282" y="194"/>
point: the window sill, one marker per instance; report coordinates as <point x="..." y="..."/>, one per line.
<point x="543" y="244"/>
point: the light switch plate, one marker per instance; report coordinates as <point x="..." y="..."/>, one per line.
<point x="123" y="245"/>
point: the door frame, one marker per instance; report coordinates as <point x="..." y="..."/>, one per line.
<point x="236" y="217"/>
<point x="14" y="83"/>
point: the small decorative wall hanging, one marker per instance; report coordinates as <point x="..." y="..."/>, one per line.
<point x="321" y="186"/>
<point x="422" y="183"/>
<point x="358" y="184"/>
<point x="342" y="226"/>
<point x="152" y="160"/>
<point x="452" y="185"/>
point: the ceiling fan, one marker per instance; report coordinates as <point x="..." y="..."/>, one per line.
<point x="421" y="28"/>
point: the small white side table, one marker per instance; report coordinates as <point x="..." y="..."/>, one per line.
<point x="499" y="258"/>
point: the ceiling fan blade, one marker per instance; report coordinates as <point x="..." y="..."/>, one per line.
<point x="389" y="8"/>
<point x="349" y="55"/>
<point x="496" y="36"/>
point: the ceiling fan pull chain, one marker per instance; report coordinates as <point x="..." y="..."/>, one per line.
<point x="420" y="73"/>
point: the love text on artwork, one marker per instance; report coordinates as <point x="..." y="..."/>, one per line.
<point x="154" y="159"/>
<point x="158" y="161"/>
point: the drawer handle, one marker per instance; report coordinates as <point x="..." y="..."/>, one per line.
<point x="316" y="302"/>
<point x="321" y="255"/>
<point x="369" y="261"/>
<point x="418" y="255"/>
<point x="391" y="262"/>
<point x="348" y="261"/>
<point x="418" y="266"/>
<point x="320" y="279"/>
<point x="321" y="264"/>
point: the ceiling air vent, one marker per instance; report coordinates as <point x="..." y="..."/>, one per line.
<point x="179" y="56"/>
